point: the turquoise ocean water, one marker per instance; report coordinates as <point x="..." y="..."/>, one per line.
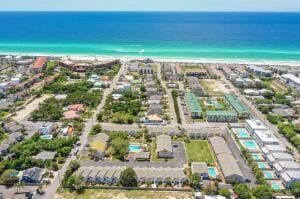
<point x="216" y="36"/>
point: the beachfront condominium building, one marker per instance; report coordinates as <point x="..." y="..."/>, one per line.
<point x="221" y="116"/>
<point x="259" y="71"/>
<point x="291" y="80"/>
<point x="193" y="105"/>
<point x="238" y="106"/>
<point x="289" y="177"/>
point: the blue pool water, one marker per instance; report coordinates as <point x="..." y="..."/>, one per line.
<point x="268" y="174"/>
<point x="275" y="186"/>
<point x="250" y="144"/>
<point x="46" y="137"/>
<point x="241" y="133"/>
<point x="212" y="172"/>
<point x="134" y="148"/>
<point x="262" y="165"/>
<point x="257" y="156"/>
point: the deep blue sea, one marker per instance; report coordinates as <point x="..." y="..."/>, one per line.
<point x="218" y="36"/>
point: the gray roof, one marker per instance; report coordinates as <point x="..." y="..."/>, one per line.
<point x="142" y="155"/>
<point x="219" y="145"/>
<point x="34" y="173"/>
<point x="163" y="143"/>
<point x="155" y="97"/>
<point x="45" y="155"/>
<point x="199" y="167"/>
<point x="229" y="165"/>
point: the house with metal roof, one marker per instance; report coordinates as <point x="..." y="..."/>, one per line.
<point x="45" y="155"/>
<point x="164" y="147"/>
<point x="267" y="149"/>
<point x="265" y="137"/>
<point x="283" y="166"/>
<point x="193" y="105"/>
<point x="238" y="106"/>
<point x="33" y="175"/>
<point x="290" y="177"/>
<point x="221" y="116"/>
<point x="227" y="162"/>
<point x="259" y="71"/>
<point x="253" y="125"/>
<point x="276" y="157"/>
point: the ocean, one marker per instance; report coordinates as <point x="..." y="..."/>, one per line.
<point x="173" y="35"/>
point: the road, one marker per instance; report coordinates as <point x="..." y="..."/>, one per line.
<point x="51" y="189"/>
<point x="258" y="115"/>
<point x="169" y="95"/>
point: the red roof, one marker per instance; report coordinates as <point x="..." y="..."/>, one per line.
<point x="40" y="62"/>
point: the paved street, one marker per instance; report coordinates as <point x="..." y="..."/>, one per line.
<point x="51" y="189"/>
<point x="257" y="114"/>
<point x="177" y="162"/>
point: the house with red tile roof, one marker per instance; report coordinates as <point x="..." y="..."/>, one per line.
<point x="38" y="65"/>
<point x="76" y="107"/>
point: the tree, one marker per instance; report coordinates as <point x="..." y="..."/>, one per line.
<point x="9" y="176"/>
<point x="263" y="192"/>
<point x="295" y="189"/>
<point x="128" y="178"/>
<point x="119" y="148"/>
<point x="224" y="192"/>
<point x="195" y="181"/>
<point x="96" y="129"/>
<point x="76" y="183"/>
<point x="242" y="191"/>
<point x="211" y="189"/>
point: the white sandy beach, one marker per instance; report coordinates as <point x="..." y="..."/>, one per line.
<point x="161" y="59"/>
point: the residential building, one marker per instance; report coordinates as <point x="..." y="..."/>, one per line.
<point x="193" y="105"/>
<point x="200" y="168"/>
<point x="238" y="106"/>
<point x="195" y="86"/>
<point x="33" y="175"/>
<point x="253" y="125"/>
<point x="164" y="147"/>
<point x="227" y="162"/>
<point x="279" y="156"/>
<point x="265" y="137"/>
<point x="291" y="80"/>
<point x="221" y="116"/>
<point x="46" y="128"/>
<point x="39" y="65"/>
<point x="45" y="155"/>
<point x="155" y="109"/>
<point x="290" y="177"/>
<point x="259" y="71"/>
<point x="141" y="156"/>
<point x="267" y="149"/>
<point x="283" y="166"/>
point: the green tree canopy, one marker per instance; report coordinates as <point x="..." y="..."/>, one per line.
<point x="263" y="192"/>
<point x="295" y="189"/>
<point x="128" y="178"/>
<point x="242" y="191"/>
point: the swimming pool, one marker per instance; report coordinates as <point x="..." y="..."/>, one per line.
<point x="134" y="148"/>
<point x="250" y="144"/>
<point x="275" y="186"/>
<point x="269" y="174"/>
<point x="241" y="133"/>
<point x="212" y="172"/>
<point x="257" y="156"/>
<point x="262" y="165"/>
<point x="47" y="137"/>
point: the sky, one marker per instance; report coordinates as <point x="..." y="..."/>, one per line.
<point x="151" y="5"/>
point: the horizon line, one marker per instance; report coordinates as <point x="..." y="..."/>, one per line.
<point x="153" y="11"/>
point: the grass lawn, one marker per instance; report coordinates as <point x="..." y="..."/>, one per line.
<point x="122" y="194"/>
<point x="198" y="151"/>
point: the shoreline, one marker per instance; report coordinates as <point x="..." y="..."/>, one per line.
<point x="100" y="57"/>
